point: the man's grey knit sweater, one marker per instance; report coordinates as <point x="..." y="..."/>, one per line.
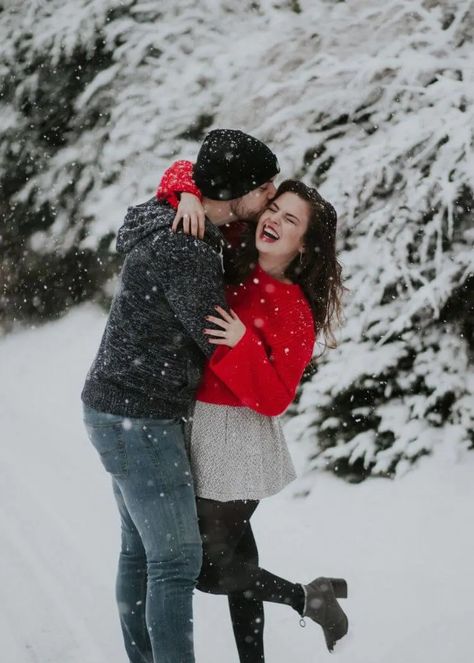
<point x="152" y="353"/>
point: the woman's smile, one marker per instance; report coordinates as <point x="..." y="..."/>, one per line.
<point x="269" y="233"/>
<point x="282" y="226"/>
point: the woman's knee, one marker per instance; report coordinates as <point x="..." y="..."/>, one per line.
<point x="216" y="571"/>
<point x="210" y="583"/>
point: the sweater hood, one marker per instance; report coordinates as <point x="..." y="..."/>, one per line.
<point x="141" y="221"/>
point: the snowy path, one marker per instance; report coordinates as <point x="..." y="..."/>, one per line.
<point x="406" y="547"/>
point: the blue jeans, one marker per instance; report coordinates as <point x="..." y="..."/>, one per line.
<point x="161" y="549"/>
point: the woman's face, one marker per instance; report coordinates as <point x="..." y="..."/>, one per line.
<point x="282" y="226"/>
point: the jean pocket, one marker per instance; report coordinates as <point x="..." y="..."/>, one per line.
<point x="110" y="445"/>
<point x="174" y="421"/>
<point x="167" y="451"/>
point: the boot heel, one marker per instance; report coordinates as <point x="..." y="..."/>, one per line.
<point x="339" y="586"/>
<point x="322" y="607"/>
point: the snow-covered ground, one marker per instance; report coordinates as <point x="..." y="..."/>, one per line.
<point x="406" y="547"/>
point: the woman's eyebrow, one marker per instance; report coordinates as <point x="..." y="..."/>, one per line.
<point x="288" y="214"/>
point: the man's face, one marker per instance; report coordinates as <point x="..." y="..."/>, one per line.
<point x="250" y="206"/>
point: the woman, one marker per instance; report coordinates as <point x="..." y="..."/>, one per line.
<point x="286" y="285"/>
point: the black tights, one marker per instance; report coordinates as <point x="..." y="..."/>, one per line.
<point x="230" y="566"/>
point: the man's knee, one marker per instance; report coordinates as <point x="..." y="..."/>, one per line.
<point x="192" y="559"/>
<point x="182" y="562"/>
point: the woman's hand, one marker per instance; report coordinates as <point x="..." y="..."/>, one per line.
<point x="191" y="213"/>
<point x="232" y="328"/>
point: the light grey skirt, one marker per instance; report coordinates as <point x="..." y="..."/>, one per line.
<point x="237" y="454"/>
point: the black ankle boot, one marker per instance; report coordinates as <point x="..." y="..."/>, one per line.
<point x="322" y="607"/>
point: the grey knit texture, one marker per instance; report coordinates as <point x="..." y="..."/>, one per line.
<point x="153" y="349"/>
<point x="237" y="453"/>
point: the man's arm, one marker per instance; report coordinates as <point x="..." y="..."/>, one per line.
<point x="193" y="283"/>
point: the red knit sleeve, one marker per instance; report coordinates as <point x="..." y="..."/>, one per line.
<point x="178" y="178"/>
<point x="265" y="379"/>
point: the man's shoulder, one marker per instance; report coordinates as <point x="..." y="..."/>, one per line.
<point x="158" y="209"/>
<point x="178" y="244"/>
<point x="181" y="254"/>
<point x="141" y="223"/>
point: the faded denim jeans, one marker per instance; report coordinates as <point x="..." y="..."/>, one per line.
<point x="161" y="552"/>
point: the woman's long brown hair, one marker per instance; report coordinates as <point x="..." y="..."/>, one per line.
<point x="317" y="271"/>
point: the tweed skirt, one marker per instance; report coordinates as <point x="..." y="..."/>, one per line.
<point x="237" y="454"/>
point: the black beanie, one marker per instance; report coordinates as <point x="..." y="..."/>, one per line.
<point x="231" y="163"/>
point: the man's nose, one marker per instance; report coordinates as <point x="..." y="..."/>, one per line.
<point x="271" y="190"/>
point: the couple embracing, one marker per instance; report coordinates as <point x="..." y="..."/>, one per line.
<point x="207" y="339"/>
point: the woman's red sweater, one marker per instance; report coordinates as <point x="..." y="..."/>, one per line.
<point x="263" y="370"/>
<point x="178" y="178"/>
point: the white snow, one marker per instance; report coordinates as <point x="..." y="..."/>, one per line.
<point x="372" y="102"/>
<point x="405" y="546"/>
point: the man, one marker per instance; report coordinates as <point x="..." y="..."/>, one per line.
<point x="142" y="383"/>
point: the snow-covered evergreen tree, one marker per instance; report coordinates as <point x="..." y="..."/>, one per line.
<point x="399" y="152"/>
<point x="371" y="101"/>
